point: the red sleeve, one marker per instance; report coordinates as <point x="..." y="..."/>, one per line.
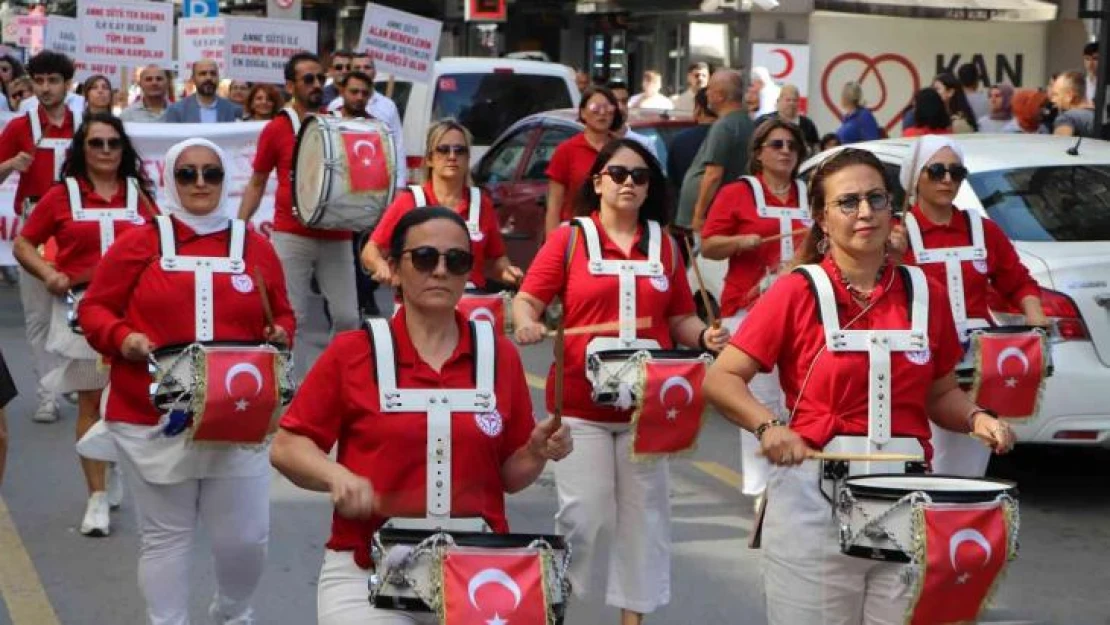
<point x="723" y="218"/>
<point x="383" y="232"/>
<point x="1008" y="276"/>
<point x="319" y="409"/>
<point x="43" y="222"/>
<point x="682" y="297"/>
<point x="495" y="244"/>
<point x="270" y="266"/>
<point x="943" y="339"/>
<point x="104" y="306"/>
<point x="266" y="156"/>
<point x="16" y="138"/>
<point x="521" y="420"/>
<point x="762" y="335"/>
<point x="558" y="169"/>
<point x="547" y="275"/>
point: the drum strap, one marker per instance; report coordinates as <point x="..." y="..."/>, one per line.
<point x="953" y="259"/>
<point x="474" y="212"/>
<point x="877" y="343"/>
<point x="439" y="403"/>
<point x="293" y="119"/>
<point x="784" y="215"/>
<point x="203" y="267"/>
<point x="106" y="217"/>
<point x="59" y="146"/>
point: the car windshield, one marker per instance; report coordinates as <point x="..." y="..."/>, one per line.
<point x="1068" y="203"/>
<point x="488" y="103"/>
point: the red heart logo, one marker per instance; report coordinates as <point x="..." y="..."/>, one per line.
<point x="871" y="68"/>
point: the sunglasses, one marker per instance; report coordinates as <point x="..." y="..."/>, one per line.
<point x="426" y="258"/>
<point x="600" y="109"/>
<point x="780" y="144"/>
<point x="456" y="149"/>
<point x="311" y="79"/>
<point x="849" y="204"/>
<point x="107" y="145"/>
<point x="620" y="173"/>
<point x="190" y="175"/>
<point x="936" y="172"/>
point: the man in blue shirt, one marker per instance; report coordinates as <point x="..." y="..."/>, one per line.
<point x="857" y="124"/>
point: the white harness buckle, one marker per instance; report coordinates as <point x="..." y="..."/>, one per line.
<point x="474" y="212"/>
<point x="58" y="146"/>
<point x="106" y="217"/>
<point x="785" y="214"/>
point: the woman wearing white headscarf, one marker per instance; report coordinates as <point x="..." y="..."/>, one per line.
<point x="149" y="301"/>
<point x="768" y="90"/>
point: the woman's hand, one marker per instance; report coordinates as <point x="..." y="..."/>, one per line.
<point x="531" y="333"/>
<point x="136" y="347"/>
<point x="382" y="274"/>
<point x="747" y="242"/>
<point x="352" y="495"/>
<point x="782" y="446"/>
<point x="716" y="338"/>
<point x="276" y="334"/>
<point x="512" y="275"/>
<point x="997" y="434"/>
<point x="897" y="242"/>
<point x="549" y="442"/>
<point x="57" y="282"/>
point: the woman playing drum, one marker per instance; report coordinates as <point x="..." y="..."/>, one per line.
<point x="192" y="277"/>
<point x="799" y="326"/>
<point x="752" y="223"/>
<point x="447" y="172"/>
<point x="622" y="209"/>
<point x="382" y="468"/>
<point x="104" y="194"/>
<point x="931" y="174"/>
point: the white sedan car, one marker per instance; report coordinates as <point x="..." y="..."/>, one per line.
<point x="1053" y="201"/>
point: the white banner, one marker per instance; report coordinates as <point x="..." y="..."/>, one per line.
<point x="258" y="48"/>
<point x="130" y="33"/>
<point x="152" y="141"/>
<point x="400" y="43"/>
<point x="788" y="65"/>
<point x="62" y="36"/>
<point x="198" y="39"/>
<point x="29" y="33"/>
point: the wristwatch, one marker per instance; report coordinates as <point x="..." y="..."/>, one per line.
<point x="759" y="431"/>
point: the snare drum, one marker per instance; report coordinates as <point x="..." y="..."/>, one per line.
<point x="344" y="173"/>
<point x="616" y="374"/>
<point x="73" y="299"/>
<point x="494" y="307"/>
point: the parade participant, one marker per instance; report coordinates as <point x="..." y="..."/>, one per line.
<point x="447" y="171"/>
<point x="155" y="85"/>
<point x="98" y="95"/>
<point x="355" y="91"/>
<point x="379" y="107"/>
<point x="153" y="297"/>
<point x="204" y="106"/>
<point x="932" y="173"/>
<point x="263" y="103"/>
<point x="105" y="192"/>
<point x="612" y="509"/>
<point x="35" y="146"/>
<point x="752" y="223"/>
<point x="7" y="394"/>
<point x="807" y="581"/>
<point x="381" y="471"/>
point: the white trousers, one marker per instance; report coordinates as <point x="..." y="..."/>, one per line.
<point x="806" y="580"/>
<point x="958" y="454"/>
<point x="616" y="515"/>
<point x="765" y="387"/>
<point x="235" y="512"/>
<point x="38" y="307"/>
<point x="333" y="262"/>
<point x="341" y="596"/>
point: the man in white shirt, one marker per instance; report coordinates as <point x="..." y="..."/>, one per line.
<point x="382" y="108"/>
<point x="151" y="106"/>
<point x="697" y="78"/>
<point x="620" y="91"/>
<point x="74" y="102"/>
<point x="1090" y="66"/>
<point x="650" y="97"/>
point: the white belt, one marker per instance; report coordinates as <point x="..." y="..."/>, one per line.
<point x="785" y="215"/>
<point x="57" y="145"/>
<point x="474" y="211"/>
<point x="953" y="259"/>
<point x="202" y="267"/>
<point x="106" y="217"/>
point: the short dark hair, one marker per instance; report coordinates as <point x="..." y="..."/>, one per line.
<point x="341" y="52"/>
<point x="697" y="66"/>
<point x="1090" y="49"/>
<point x="363" y="76"/>
<point x="130" y="165"/>
<point x="656" y="206"/>
<point x="49" y="62"/>
<point x="412" y="219"/>
<point x="968" y="75"/>
<point x="591" y="91"/>
<point x="929" y="110"/>
<point x="300" y="57"/>
<point x="17" y="66"/>
<point x="617" y="84"/>
<point x="701" y="100"/>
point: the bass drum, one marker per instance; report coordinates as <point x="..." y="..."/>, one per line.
<point x="344" y="173"/>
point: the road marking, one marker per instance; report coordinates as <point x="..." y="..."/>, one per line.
<point x="20" y="586"/>
<point x="719" y="472"/>
<point x="535" y="381"/>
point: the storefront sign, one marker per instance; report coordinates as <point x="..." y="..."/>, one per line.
<point x="788" y="65"/>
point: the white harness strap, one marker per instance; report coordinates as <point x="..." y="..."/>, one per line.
<point x="293" y="119"/>
<point x="203" y="267"/>
<point x="473" y="213"/>
<point x="784" y="214"/>
<point x="626" y="270"/>
<point x="877" y="343"/>
<point x="438" y="403"/>
<point x="953" y="258"/>
<point x="107" y="217"/>
<point x="59" y="146"/>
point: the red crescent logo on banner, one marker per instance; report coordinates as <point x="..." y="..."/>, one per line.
<point x="788" y="60"/>
<point x="870" y="74"/>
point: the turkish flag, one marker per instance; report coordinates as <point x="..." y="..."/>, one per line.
<point x="494" y="587"/>
<point x="668" y="416"/>
<point x="967" y="546"/>
<point x="241" y="397"/>
<point x="1010" y="370"/>
<point x="367" y="162"/>
<point x="490" y="307"/>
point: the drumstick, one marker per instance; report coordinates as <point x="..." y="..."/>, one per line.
<point x="782" y="235"/>
<point x="560" y="332"/>
<point x="597" y="328"/>
<point x="835" y="457"/>
<point x="716" y="323"/>
<point x="267" y="311"/>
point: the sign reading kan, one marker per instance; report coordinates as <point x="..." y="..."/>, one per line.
<point x="200" y="8"/>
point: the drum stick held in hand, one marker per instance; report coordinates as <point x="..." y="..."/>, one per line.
<point x="777" y="237"/>
<point x="267" y="311"/>
<point x="713" y="321"/>
<point x="821" y="455"/>
<point x="597" y="328"/>
<point x="560" y="332"/>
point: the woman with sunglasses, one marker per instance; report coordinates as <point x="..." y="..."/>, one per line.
<point x="104" y="193"/>
<point x="143" y="299"/>
<point x="381" y="470"/>
<point x="600" y="114"/>
<point x="752" y="223"/>
<point x="622" y="208"/>
<point x="932" y="173"/>
<point x="846" y="280"/>
<point x="447" y="171"/>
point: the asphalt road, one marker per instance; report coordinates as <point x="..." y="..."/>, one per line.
<point x="50" y="574"/>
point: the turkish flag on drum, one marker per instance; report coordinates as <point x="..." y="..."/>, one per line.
<point x="367" y="161"/>
<point x="967" y="546"/>
<point x="1010" y="370"/>
<point x="241" y="396"/>
<point x="668" y="417"/>
<point x="490" y="307"/>
<point x="494" y="586"/>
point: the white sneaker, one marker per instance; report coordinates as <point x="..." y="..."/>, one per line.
<point x="96" y="522"/>
<point x="47" y="411"/>
<point x="114" y="490"/>
<point x="217" y="616"/>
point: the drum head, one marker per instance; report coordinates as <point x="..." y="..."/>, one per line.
<point x="657" y="354"/>
<point x="471" y="539"/>
<point x="309" y="181"/>
<point x="941" y="488"/>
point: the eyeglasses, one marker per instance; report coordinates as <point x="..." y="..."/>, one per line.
<point x="600" y="109"/>
<point x="106" y="145"/>
<point x="311" y="79"/>
<point x="620" y="173"/>
<point x="849" y="204"/>
<point x="425" y="259"/>
<point x="780" y="144"/>
<point x="190" y="175"/>
<point x="936" y="172"/>
<point x="456" y="149"/>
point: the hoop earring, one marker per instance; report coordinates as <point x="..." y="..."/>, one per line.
<point x="823" y="245"/>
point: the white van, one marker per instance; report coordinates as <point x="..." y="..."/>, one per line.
<point x="487" y="95"/>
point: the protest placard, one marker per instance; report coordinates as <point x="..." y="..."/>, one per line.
<point x="198" y="39"/>
<point x="29" y="32"/>
<point x="62" y="36"/>
<point x="257" y="48"/>
<point x="400" y="43"/>
<point x="128" y="33"/>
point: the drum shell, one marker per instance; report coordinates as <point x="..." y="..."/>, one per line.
<point x="166" y="394"/>
<point x="73" y="300"/>
<point x="613" y="373"/>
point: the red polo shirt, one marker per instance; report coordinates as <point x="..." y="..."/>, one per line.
<point x="1002" y="271"/>
<point x="570" y="166"/>
<point x="589" y="299"/>
<point x="733" y="212"/>
<point x="488" y="245"/>
<point x="784" y="329"/>
<point x="78" y="241"/>
<point x="338" y="403"/>
<point x="36" y="181"/>
<point x="132" y="293"/>
<point x="276" y="144"/>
